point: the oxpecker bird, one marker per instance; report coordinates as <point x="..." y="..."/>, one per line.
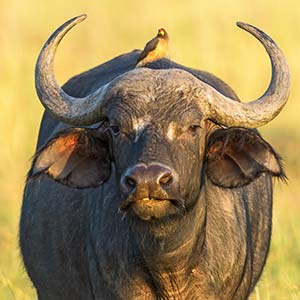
<point x="154" y="49"/>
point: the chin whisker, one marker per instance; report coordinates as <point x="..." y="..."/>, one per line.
<point x="179" y="204"/>
<point x="124" y="215"/>
<point x="124" y="205"/>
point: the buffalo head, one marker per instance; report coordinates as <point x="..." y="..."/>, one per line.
<point x="160" y="133"/>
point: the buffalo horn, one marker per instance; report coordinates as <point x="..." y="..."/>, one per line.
<point x="68" y="109"/>
<point x="256" y="113"/>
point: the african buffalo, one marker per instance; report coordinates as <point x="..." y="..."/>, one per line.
<point x="149" y="183"/>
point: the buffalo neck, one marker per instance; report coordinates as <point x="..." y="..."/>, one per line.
<point x="170" y="249"/>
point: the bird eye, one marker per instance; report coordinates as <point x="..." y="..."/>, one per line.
<point x="115" y="129"/>
<point x="194" y="128"/>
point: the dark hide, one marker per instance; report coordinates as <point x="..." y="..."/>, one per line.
<point x="78" y="244"/>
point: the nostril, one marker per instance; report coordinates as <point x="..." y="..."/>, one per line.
<point x="129" y="181"/>
<point x="165" y="178"/>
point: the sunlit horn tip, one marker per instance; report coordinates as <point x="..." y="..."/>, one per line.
<point x="79" y="18"/>
<point x="255" y="31"/>
<point x="248" y="27"/>
<point x="82" y="17"/>
<point x="241" y="24"/>
<point x="76" y="20"/>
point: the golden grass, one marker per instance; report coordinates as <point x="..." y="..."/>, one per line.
<point x="203" y="35"/>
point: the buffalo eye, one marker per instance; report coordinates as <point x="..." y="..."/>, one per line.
<point x="194" y="129"/>
<point x="114" y="129"/>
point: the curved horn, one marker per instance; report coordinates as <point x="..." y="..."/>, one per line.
<point x="68" y="109"/>
<point x="261" y="111"/>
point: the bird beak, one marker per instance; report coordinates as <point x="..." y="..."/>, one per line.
<point x="161" y="32"/>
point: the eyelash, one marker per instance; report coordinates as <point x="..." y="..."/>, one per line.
<point x="194" y="128"/>
<point x="114" y="129"/>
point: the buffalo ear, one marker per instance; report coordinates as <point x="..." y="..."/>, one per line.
<point x="236" y="156"/>
<point x="76" y="157"/>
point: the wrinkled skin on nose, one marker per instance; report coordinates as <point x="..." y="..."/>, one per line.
<point x="147" y="188"/>
<point x="148" y="181"/>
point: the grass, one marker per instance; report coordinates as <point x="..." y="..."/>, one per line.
<point x="203" y="35"/>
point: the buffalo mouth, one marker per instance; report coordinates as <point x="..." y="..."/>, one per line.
<point x="151" y="208"/>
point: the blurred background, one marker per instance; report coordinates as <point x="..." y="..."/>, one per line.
<point x="203" y="35"/>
